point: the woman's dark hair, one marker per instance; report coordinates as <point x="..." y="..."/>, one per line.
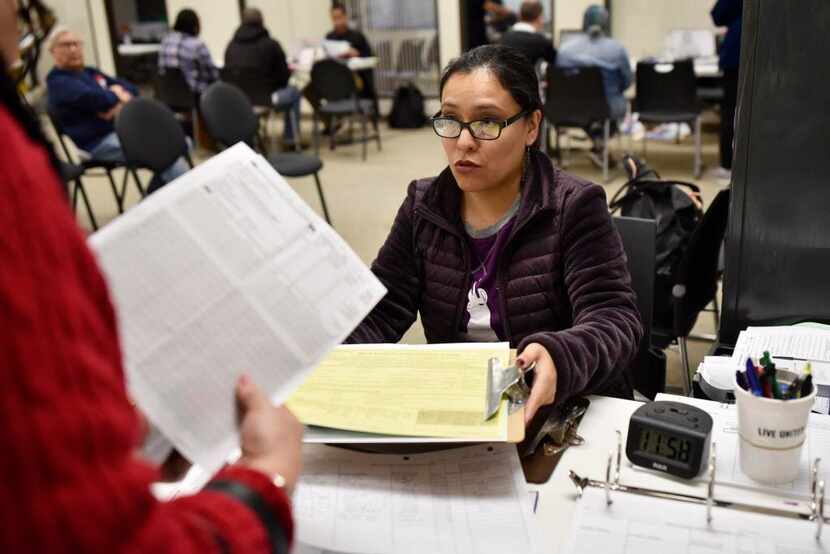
<point x="20" y="111"/>
<point x="339" y="6"/>
<point x="511" y="68"/>
<point x="187" y="22"/>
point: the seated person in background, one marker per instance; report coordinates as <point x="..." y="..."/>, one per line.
<point x="359" y="47"/>
<point x="526" y="35"/>
<point x="183" y="49"/>
<point x="253" y="50"/>
<point x="86" y="101"/>
<point x="595" y="48"/>
<point x="73" y="479"/>
<point x="504" y="246"/>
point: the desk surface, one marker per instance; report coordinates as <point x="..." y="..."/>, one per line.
<point x="556" y="508"/>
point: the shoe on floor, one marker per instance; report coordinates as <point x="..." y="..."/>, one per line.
<point x="719" y="173"/>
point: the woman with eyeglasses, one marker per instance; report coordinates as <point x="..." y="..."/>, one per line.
<point x="503" y="246"/>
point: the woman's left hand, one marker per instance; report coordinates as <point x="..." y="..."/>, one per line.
<point x="544" y="380"/>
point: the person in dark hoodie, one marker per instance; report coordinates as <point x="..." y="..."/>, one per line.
<point x="253" y="49"/>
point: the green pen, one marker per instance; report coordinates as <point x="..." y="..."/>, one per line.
<point x="776" y="390"/>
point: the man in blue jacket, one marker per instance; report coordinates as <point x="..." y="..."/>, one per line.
<point x="86" y="101"/>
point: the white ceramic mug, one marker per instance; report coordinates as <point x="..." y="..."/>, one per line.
<point x="772" y="433"/>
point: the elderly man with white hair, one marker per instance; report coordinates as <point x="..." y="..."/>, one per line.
<point x="86" y="102"/>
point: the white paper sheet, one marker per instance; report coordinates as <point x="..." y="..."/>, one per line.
<point x="725" y="435"/>
<point x="471" y="499"/>
<point x="635" y="524"/>
<point x="221" y="272"/>
<point x="808" y="342"/>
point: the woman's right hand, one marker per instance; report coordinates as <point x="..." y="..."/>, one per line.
<point x="270" y="436"/>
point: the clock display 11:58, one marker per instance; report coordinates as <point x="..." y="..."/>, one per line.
<point x="664" y="445"/>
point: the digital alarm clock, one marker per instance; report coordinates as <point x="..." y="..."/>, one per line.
<point x="671" y="437"/>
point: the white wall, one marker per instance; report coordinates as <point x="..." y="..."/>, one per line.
<point x="642" y="25"/>
<point x="567" y="14"/>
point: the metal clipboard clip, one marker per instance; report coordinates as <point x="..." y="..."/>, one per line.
<point x="501" y="381"/>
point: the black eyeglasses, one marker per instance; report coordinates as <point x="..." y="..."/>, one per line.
<point x="483" y="129"/>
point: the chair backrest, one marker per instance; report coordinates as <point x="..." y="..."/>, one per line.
<point x="639" y="242"/>
<point x="150" y="135"/>
<point x="55" y="120"/>
<point x="250" y="81"/>
<point x="575" y="96"/>
<point x="228" y="114"/>
<point x="332" y="80"/>
<point x="666" y="87"/>
<point x="696" y="280"/>
<point x="172" y="89"/>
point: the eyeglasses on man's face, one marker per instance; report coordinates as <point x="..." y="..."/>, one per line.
<point x="482" y="129"/>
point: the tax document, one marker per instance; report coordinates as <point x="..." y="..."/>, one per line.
<point x="224" y="271"/>
<point x="635" y="524"/>
<point x="471" y="499"/>
<point x="436" y="390"/>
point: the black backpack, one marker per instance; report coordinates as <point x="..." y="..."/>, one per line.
<point x="407" y="108"/>
<point x="677" y="215"/>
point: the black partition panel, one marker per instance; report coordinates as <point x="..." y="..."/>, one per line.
<point x="778" y="241"/>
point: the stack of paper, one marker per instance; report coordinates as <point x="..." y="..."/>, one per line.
<point x="790" y="346"/>
<point x="471" y="499"/>
<point x="429" y="391"/>
<point x="224" y="271"/>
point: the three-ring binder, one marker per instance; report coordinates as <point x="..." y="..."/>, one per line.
<point x="814" y="511"/>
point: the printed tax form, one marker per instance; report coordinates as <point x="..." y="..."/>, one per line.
<point x="471" y="499"/>
<point x="225" y="271"/>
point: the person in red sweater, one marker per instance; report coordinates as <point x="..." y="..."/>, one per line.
<point x="72" y="480"/>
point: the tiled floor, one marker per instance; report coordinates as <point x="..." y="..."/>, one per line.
<point x="363" y="197"/>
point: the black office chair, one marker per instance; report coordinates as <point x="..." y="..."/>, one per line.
<point x="697" y="276"/>
<point x="230" y="118"/>
<point x="333" y="83"/>
<point x="89" y="166"/>
<point x="667" y="93"/>
<point x="72" y="173"/>
<point x="648" y="370"/>
<point x="575" y="98"/>
<point x="151" y="138"/>
<point x="172" y="90"/>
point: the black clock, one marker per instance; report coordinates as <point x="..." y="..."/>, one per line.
<point x="671" y="437"/>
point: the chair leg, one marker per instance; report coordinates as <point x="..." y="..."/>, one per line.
<point x="295" y="130"/>
<point x="698" y="163"/>
<point x="118" y="199"/>
<point x="364" y="126"/>
<point x="376" y="125"/>
<point x="684" y="362"/>
<point x="79" y="186"/>
<point x="322" y="198"/>
<point x="315" y="131"/>
<point x="138" y="184"/>
<point x="606" y="136"/>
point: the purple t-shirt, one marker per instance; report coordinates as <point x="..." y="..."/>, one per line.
<point x="483" y="320"/>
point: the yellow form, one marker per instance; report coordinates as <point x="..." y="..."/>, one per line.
<point x="416" y="390"/>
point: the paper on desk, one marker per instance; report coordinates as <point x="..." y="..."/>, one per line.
<point x="418" y="390"/>
<point x="809" y="342"/>
<point x="471" y="499"/>
<point x="635" y="524"/>
<point x="226" y="271"/>
<point x="725" y="435"/>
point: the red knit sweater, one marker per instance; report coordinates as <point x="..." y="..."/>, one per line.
<point x="70" y="480"/>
